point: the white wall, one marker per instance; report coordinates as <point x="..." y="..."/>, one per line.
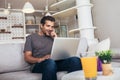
<point x="106" y="17"/>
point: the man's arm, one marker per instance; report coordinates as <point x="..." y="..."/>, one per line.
<point x="29" y="58"/>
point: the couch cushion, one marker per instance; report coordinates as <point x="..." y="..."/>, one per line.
<point x="26" y="75"/>
<point x="102" y="45"/>
<point x="11" y="57"/>
<point x="116" y="55"/>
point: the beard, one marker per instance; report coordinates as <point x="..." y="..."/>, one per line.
<point x="47" y="33"/>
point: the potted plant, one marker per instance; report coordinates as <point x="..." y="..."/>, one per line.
<point x="105" y="57"/>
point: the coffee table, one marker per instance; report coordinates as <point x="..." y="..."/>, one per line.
<point x="79" y="75"/>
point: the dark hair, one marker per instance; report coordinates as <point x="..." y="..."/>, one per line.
<point x="50" y="18"/>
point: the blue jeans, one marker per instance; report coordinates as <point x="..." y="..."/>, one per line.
<point x="49" y="67"/>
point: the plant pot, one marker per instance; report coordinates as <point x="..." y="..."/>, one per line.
<point x="107" y="69"/>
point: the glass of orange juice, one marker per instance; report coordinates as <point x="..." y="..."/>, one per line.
<point x="89" y="65"/>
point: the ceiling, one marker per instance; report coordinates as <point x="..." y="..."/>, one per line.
<point x="37" y="4"/>
<point x="18" y="4"/>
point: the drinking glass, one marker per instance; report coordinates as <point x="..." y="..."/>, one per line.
<point x="89" y="65"/>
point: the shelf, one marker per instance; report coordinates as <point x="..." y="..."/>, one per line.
<point x="74" y="30"/>
<point x="4" y="18"/>
<point x="66" y="7"/>
<point x="17" y="26"/>
<point x="62" y="3"/>
<point x="12" y="27"/>
<point x="32" y="24"/>
<point x="17" y="37"/>
<point x="8" y="32"/>
<point x="66" y="13"/>
<point x="78" y="29"/>
<point x="32" y="28"/>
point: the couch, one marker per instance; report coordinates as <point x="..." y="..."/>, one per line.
<point x="13" y="65"/>
<point x="116" y="57"/>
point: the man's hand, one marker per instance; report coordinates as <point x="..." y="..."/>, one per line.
<point x="43" y="58"/>
<point x="53" y="34"/>
<point x="47" y="57"/>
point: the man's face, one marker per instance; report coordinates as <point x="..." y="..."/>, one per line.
<point x="48" y="27"/>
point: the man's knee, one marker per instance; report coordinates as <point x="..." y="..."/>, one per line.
<point x="75" y="59"/>
<point x="49" y="64"/>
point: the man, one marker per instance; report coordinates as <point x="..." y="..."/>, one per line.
<point x="38" y="48"/>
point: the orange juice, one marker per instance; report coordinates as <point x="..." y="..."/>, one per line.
<point x="89" y="65"/>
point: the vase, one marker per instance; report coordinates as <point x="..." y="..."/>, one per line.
<point x="99" y="65"/>
<point x="107" y="69"/>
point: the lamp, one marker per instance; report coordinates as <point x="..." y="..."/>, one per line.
<point x="28" y="8"/>
<point x="48" y="14"/>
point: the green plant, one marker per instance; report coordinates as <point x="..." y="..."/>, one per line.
<point x="105" y="56"/>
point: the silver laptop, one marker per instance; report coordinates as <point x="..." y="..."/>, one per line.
<point x="64" y="48"/>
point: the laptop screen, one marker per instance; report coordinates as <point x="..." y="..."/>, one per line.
<point x="64" y="47"/>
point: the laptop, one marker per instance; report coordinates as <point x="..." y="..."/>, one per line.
<point x="64" y="48"/>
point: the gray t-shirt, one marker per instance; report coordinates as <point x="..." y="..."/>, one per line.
<point x="38" y="45"/>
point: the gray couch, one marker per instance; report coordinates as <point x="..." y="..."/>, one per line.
<point x="13" y="65"/>
<point x="116" y="57"/>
